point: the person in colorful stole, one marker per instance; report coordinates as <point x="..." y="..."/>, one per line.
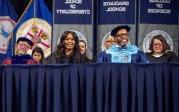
<point x="23" y="44"/>
<point x="121" y="51"/>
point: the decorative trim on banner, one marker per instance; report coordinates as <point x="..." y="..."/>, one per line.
<point x="6" y="29"/>
<point x="39" y="32"/>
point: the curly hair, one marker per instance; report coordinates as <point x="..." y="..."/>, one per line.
<point x="60" y="52"/>
<point x="162" y="39"/>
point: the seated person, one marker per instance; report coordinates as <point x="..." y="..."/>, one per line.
<point x="37" y="55"/>
<point x="68" y="50"/>
<point x="109" y="42"/>
<point x="83" y="49"/>
<point x="160" y="50"/>
<point x="23" y="44"/>
<point x="121" y="51"/>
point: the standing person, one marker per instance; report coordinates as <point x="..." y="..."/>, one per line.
<point x="160" y="50"/>
<point x="68" y="50"/>
<point x="23" y="44"/>
<point x="37" y="55"/>
<point x="121" y="51"/>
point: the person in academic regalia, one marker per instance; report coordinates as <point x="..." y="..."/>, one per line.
<point x="68" y="50"/>
<point x="23" y="44"/>
<point x="121" y="51"/>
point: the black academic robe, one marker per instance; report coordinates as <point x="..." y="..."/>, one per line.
<point x="169" y="56"/>
<point x="55" y="59"/>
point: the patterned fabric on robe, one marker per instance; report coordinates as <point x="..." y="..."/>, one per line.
<point x="127" y="54"/>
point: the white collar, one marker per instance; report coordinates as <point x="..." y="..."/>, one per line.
<point x="118" y="46"/>
<point x="157" y="55"/>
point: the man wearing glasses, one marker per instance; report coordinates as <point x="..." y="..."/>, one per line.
<point x="23" y="44"/>
<point x="121" y="51"/>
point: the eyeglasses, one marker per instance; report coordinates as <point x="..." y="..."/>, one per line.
<point x="23" y="44"/>
<point x="157" y="44"/>
<point x="122" y="35"/>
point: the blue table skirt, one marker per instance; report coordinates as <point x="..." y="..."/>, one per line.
<point x="90" y="88"/>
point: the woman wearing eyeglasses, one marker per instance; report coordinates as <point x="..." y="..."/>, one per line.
<point x="160" y="50"/>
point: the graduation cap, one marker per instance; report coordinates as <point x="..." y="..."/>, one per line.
<point x="116" y="29"/>
<point x="25" y="39"/>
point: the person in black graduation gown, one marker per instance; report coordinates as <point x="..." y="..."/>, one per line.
<point x="160" y="51"/>
<point x="67" y="51"/>
<point x="83" y="50"/>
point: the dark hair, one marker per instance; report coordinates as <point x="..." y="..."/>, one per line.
<point x="60" y="52"/>
<point x="116" y="29"/>
<point x="83" y="42"/>
<point x="38" y="50"/>
<point x="24" y="39"/>
<point x="85" y="45"/>
<point x="162" y="39"/>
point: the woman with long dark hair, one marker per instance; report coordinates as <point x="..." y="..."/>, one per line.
<point x="67" y="51"/>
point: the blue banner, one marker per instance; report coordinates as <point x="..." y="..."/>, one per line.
<point x="116" y="11"/>
<point x="159" y="11"/>
<point x="73" y="12"/>
<point x="8" y="17"/>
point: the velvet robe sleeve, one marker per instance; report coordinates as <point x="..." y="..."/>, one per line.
<point x="103" y="58"/>
<point x="142" y="57"/>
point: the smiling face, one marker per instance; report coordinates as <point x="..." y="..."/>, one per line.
<point x="22" y="47"/>
<point x="69" y="42"/>
<point x="121" y="37"/>
<point x="157" y="46"/>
